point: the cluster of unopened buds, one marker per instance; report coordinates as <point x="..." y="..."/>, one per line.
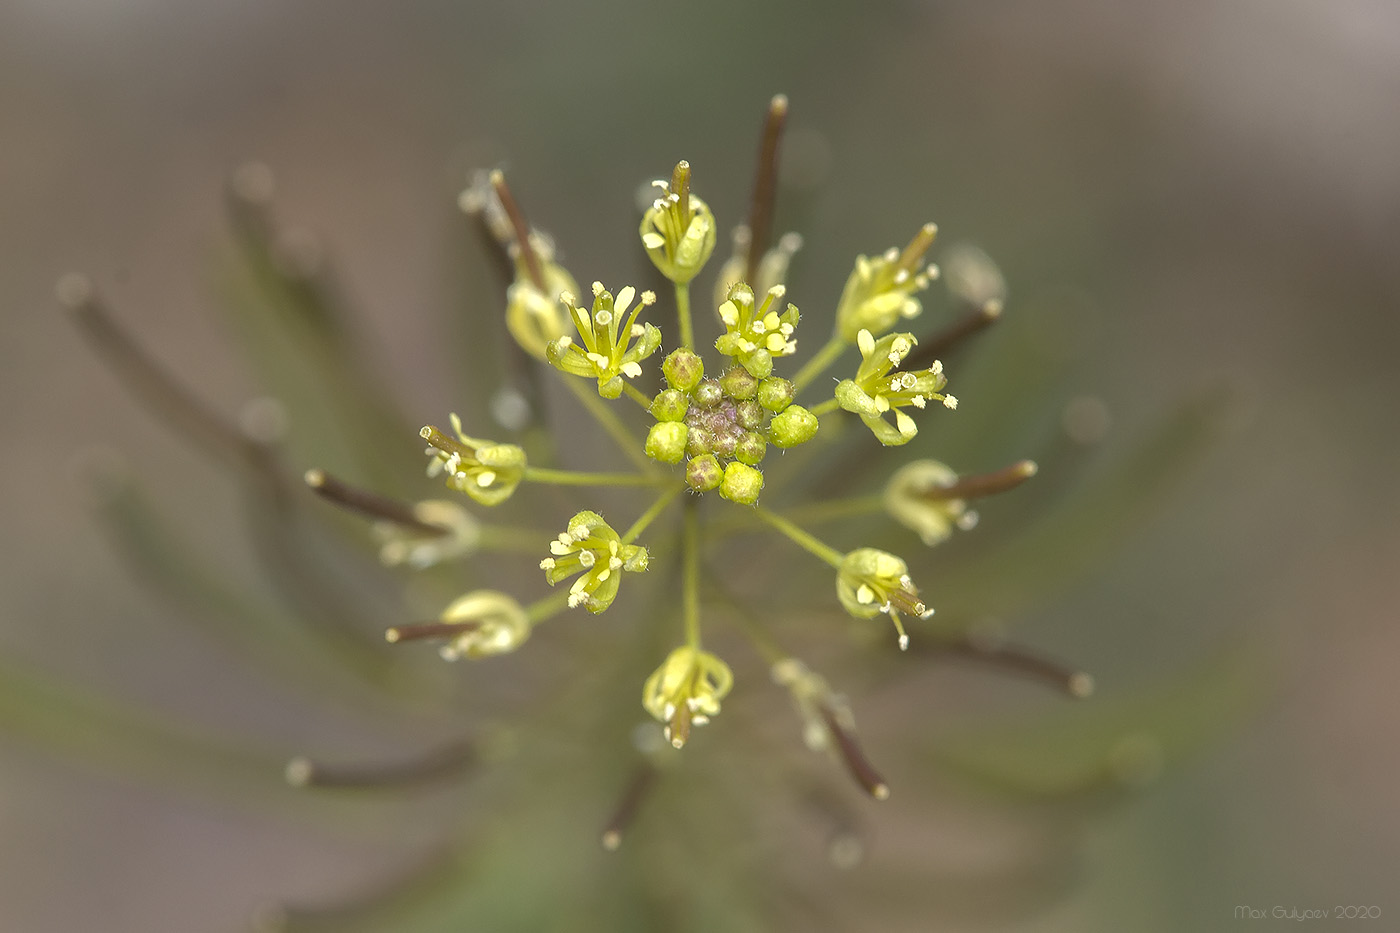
<point x="715" y="415"/>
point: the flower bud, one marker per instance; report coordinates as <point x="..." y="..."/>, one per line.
<point x="738" y="383"/>
<point x="683" y="369"/>
<point x="742" y="483"/>
<point x="749" y="414"/>
<point x="709" y="393"/>
<point x="666" y="441"/>
<point x="703" y="473"/>
<point x="776" y="393"/>
<point x="794" y="425"/>
<point x="751" y="449"/>
<point x="670" y="405"/>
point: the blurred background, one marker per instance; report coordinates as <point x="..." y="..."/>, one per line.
<point x="1183" y="198"/>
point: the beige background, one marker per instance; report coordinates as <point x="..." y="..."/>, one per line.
<point x="1212" y="185"/>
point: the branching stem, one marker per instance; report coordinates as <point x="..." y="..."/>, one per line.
<point x="803" y="539"/>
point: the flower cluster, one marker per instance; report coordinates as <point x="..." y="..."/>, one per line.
<point x="712" y="427"/>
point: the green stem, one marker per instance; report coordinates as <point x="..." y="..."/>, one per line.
<point x="649" y="516"/>
<point x="690" y="598"/>
<point x="580" y="478"/>
<point x="819" y="363"/>
<point x="607" y="419"/>
<point x="833" y="509"/>
<point x="801" y="538"/>
<point x="548" y="607"/>
<point x="825" y="408"/>
<point x="683" y="315"/>
<point x="637" y="395"/>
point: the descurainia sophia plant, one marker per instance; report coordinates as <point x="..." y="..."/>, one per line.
<point x="715" y="429"/>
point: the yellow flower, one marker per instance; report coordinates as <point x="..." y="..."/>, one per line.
<point x="534" y="317"/>
<point x="592" y="547"/>
<point x="880" y="291"/>
<point x="753" y="336"/>
<point x="607" y="352"/>
<point x="478" y="625"/>
<point x="874" y="391"/>
<point x="678" y="230"/>
<point x="908" y="500"/>
<point x="685" y="691"/>
<point x="871" y="581"/>
<point x="461" y="535"/>
<point x="485" y="470"/>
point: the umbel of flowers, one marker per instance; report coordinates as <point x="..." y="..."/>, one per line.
<point x="723" y="406"/>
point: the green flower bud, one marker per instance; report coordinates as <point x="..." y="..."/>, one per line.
<point x="683" y="369"/>
<point x="590" y="546"/>
<point x="742" y="483"/>
<point x="738" y="383"/>
<point x="751" y="448"/>
<point x="703" y="473"/>
<point x="685" y="691"/>
<point x="749" y="414"/>
<point x="670" y="405"/>
<point x="485" y="470"/>
<point x="666" y="441"/>
<point x="492" y="623"/>
<point x="699" y="441"/>
<point x="708" y="393"/>
<point x="776" y="393"/>
<point x="794" y="425"/>
<point x="678" y="231"/>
